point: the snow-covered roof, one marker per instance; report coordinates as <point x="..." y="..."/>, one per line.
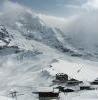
<point x="85" y="84"/>
<point x="47" y="89"/>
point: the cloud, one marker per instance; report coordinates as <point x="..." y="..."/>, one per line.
<point x="10" y="6"/>
<point x="88" y="5"/>
<point x="12" y="10"/>
<point x="91" y="5"/>
<point x="52" y="21"/>
<point x="73" y="6"/>
<point x="84" y="30"/>
<point x="82" y="26"/>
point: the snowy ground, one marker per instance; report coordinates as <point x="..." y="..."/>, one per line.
<point x="4" y="98"/>
<point x="40" y="46"/>
<point x="72" y="71"/>
<point x="85" y="95"/>
<point x="77" y="70"/>
<point x="85" y="72"/>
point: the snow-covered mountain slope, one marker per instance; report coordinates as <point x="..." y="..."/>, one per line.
<point x="31" y="26"/>
<point x="23" y="68"/>
<point x="4" y="36"/>
<point x="27" y="46"/>
<point x="82" y="33"/>
<point x="28" y="24"/>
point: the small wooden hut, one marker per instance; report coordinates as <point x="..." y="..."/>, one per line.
<point x="46" y="93"/>
<point x="85" y="86"/>
<point x="65" y="89"/>
<point x="95" y="82"/>
<point x="73" y="82"/>
<point x="61" y="78"/>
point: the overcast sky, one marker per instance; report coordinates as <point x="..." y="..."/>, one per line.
<point x="53" y="7"/>
<point x="60" y="8"/>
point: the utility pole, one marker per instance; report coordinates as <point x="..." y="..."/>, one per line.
<point x="14" y="95"/>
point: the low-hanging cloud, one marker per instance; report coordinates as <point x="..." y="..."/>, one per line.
<point x="91" y="4"/>
<point x="82" y="27"/>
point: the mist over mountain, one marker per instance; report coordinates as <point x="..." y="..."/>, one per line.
<point x="30" y="42"/>
<point x="81" y="30"/>
<point x="76" y="34"/>
<point x="84" y="32"/>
